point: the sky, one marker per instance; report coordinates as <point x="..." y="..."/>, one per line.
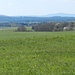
<point x="36" y="7"/>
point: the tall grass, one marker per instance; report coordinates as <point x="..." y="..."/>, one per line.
<point x="37" y="53"/>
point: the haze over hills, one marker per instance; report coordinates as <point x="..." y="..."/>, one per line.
<point x="49" y="15"/>
<point x="59" y="17"/>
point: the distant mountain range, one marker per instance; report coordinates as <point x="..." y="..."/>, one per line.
<point x="59" y="17"/>
<point x="49" y="15"/>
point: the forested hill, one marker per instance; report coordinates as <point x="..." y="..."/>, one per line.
<point x="19" y="19"/>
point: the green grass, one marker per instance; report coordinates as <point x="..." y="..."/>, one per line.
<point x="37" y="53"/>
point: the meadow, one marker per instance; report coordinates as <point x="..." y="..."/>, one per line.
<point x="37" y="53"/>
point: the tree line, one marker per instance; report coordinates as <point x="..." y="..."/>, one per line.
<point x="44" y="26"/>
<point x="54" y="26"/>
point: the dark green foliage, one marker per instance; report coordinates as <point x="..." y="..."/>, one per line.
<point x="58" y="27"/>
<point x="21" y="28"/>
<point x="71" y="26"/>
<point x="43" y="27"/>
<point x="54" y="26"/>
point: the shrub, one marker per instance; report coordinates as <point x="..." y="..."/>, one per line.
<point x="21" y="28"/>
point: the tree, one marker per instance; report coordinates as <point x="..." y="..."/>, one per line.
<point x="21" y="28"/>
<point x="71" y="26"/>
<point x="58" y="27"/>
<point x="43" y="27"/>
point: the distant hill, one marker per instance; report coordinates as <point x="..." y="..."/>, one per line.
<point x="61" y="15"/>
<point x="48" y="18"/>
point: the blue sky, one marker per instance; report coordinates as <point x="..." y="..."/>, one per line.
<point x="36" y="7"/>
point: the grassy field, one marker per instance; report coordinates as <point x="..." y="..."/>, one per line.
<point x="37" y="53"/>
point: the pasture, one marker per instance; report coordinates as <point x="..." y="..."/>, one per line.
<point x="37" y="53"/>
